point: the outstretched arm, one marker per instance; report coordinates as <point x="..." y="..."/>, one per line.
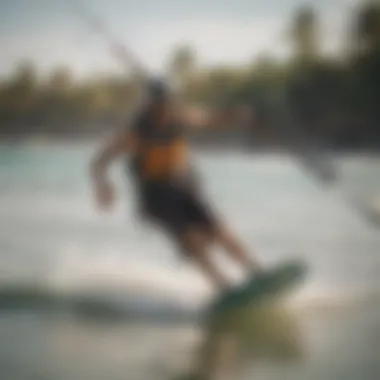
<point x="119" y="144"/>
<point x="197" y="116"/>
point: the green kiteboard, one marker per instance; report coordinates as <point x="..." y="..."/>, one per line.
<point x="273" y="282"/>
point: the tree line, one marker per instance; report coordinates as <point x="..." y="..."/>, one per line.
<point x="328" y="99"/>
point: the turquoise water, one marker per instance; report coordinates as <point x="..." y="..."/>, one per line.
<point x="54" y="245"/>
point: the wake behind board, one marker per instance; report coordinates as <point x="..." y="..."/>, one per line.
<point x="272" y="282"/>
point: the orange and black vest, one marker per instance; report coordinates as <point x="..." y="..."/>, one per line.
<point x="157" y="148"/>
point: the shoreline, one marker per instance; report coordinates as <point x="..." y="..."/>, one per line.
<point x="202" y="146"/>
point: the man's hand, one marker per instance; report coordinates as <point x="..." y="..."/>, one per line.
<point x="104" y="195"/>
<point x="104" y="191"/>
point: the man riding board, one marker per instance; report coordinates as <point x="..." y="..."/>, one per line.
<point x="165" y="182"/>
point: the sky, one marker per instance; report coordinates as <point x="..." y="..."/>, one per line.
<point x="222" y="32"/>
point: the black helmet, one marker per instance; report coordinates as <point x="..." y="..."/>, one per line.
<point x="158" y="90"/>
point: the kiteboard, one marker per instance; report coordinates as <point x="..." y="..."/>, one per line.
<point x="270" y="283"/>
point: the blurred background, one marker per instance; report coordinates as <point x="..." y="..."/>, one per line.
<point x="84" y="295"/>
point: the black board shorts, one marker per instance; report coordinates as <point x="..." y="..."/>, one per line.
<point x="176" y="208"/>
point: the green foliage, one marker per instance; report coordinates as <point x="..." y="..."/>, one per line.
<point x="368" y="26"/>
<point x="332" y="100"/>
<point x="182" y="65"/>
<point x="305" y="35"/>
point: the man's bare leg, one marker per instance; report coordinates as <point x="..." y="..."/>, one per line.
<point x="196" y="243"/>
<point x="235" y="249"/>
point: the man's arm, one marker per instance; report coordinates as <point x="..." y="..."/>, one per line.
<point x="196" y="116"/>
<point x="119" y="145"/>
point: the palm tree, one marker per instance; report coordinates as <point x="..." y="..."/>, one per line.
<point x="305" y="35"/>
<point x="368" y="27"/>
<point x="182" y="64"/>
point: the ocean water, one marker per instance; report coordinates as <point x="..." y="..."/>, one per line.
<point x="85" y="295"/>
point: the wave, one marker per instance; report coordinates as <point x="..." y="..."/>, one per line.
<point x="158" y="308"/>
<point x="314" y="300"/>
<point x="108" y="287"/>
<point x="94" y="304"/>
